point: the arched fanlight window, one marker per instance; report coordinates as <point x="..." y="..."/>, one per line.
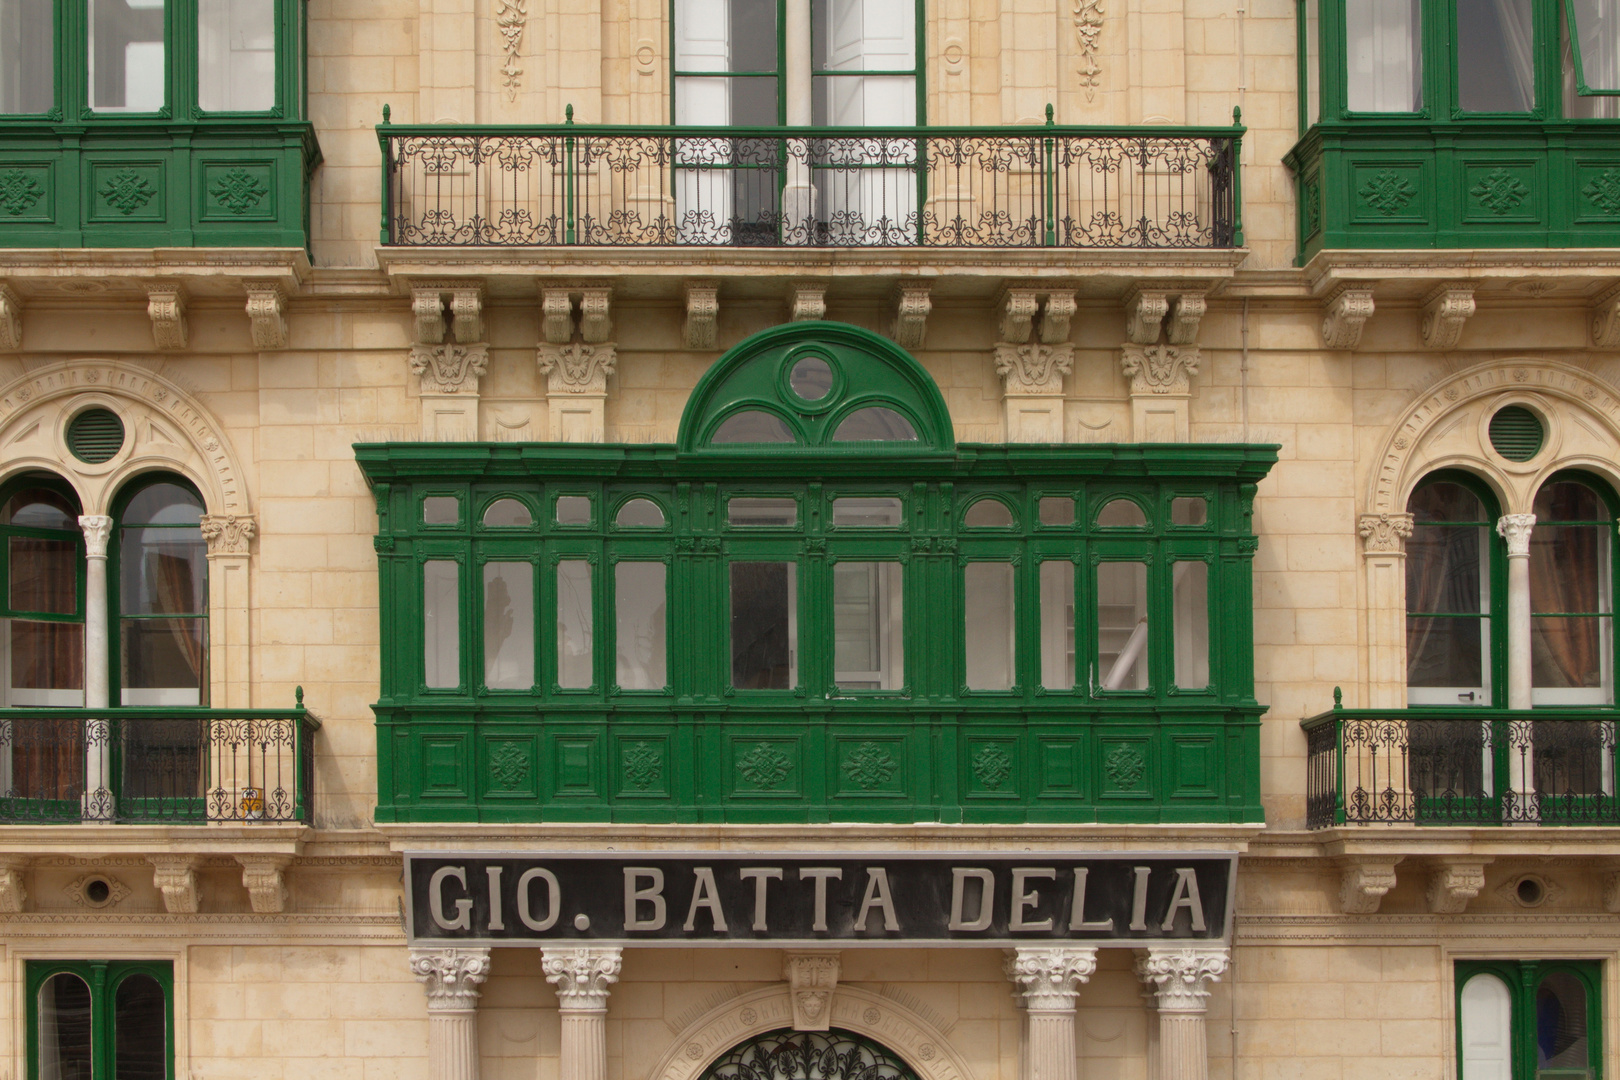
<point x="753" y="426"/>
<point x="507" y="514"/>
<point x="1121" y="514"/>
<point x="640" y="514"/>
<point x="809" y="1055"/>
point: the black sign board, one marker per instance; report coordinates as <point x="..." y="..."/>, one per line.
<point x="879" y="899"/>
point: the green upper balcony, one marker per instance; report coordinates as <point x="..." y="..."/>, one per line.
<point x="154" y="123"/>
<point x="1458" y="124"/>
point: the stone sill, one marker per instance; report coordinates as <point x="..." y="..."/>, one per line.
<point x="1524" y="274"/>
<point x="49" y="274"/>
<point x="106" y="841"/>
<point x="1398" y="841"/>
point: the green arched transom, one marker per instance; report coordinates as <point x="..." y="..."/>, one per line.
<point x="809" y="1055"/>
<point x="819" y="387"/>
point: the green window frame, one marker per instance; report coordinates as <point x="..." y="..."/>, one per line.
<point x="115" y="992"/>
<point x="186" y="25"/>
<point x="12" y="535"/>
<point x="1553" y="1014"/>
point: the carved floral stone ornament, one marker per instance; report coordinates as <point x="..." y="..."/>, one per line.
<point x="510" y="19"/>
<point x="1088" y="24"/>
<point x="1385" y="534"/>
<point x="451" y="977"/>
<point x="1180" y="976"/>
<point x="578" y="368"/>
<point x="1034" y="368"/>
<point x="1049" y="979"/>
<point x="1160" y="369"/>
<point x="811" y="979"/>
<point x="97" y="891"/>
<point x="228" y="534"/>
<point x="582" y="976"/>
<point x="450" y="368"/>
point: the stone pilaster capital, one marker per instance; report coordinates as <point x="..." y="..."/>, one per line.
<point x="583" y="976"/>
<point x="1179" y="975"/>
<point x="1034" y="368"/>
<point x="1160" y="369"/>
<point x="228" y="534"/>
<point x="450" y="368"/>
<point x="1384" y="534"/>
<point x="1049" y="978"/>
<point x="451" y="977"/>
<point x="1516" y="529"/>
<point x="97" y="528"/>
<point x="812" y="977"/>
<point x="577" y="367"/>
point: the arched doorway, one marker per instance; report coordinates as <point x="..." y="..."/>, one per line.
<point x="785" y="1054"/>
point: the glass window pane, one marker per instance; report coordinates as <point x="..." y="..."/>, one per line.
<point x="867" y="626"/>
<point x="1568" y="500"/>
<point x="64" y="1028"/>
<point x="127" y="67"/>
<point x="27" y="50"/>
<point x="639" y="625"/>
<point x="988" y="514"/>
<point x="1057" y="511"/>
<point x="640" y="514"/>
<point x="236" y="55"/>
<point x="44" y="575"/>
<point x="162" y="572"/>
<point x="1569" y="568"/>
<point x="1597" y="29"/>
<point x="39" y="508"/>
<point x="441" y="624"/>
<point x="1444" y="571"/>
<point x="1570" y="653"/>
<point x="753" y="35"/>
<point x="764" y="627"/>
<point x="746" y="510"/>
<point x="508" y="625"/>
<point x="1445" y="501"/>
<point x="1121" y="514"/>
<point x="1122" y="626"/>
<point x="1561" y="1015"/>
<point x="45" y="656"/>
<point x="1447" y="653"/>
<point x="507" y="514"/>
<point x="573" y="510"/>
<point x="1496" y="59"/>
<point x="140" y="1030"/>
<point x="163" y="504"/>
<point x="875" y="424"/>
<point x="1189" y="511"/>
<point x="863" y="35"/>
<point x="753" y="426"/>
<point x="989" y="625"/>
<point x="441" y="510"/>
<point x="872" y="513"/>
<point x="811" y="378"/>
<point x="1485" y="1017"/>
<point x="575" y="624"/>
<point x="1057" y="625"/>
<point x="1384" y="46"/>
<point x="1190" y="599"/>
<point x="163" y="661"/>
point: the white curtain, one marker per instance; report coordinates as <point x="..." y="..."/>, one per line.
<point x="1518" y="46"/>
<point x="1384" y="47"/>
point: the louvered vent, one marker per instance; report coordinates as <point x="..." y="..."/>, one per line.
<point x="1516" y="433"/>
<point x="95" y="435"/>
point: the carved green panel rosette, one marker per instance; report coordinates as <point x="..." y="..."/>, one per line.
<point x="238" y="192"/>
<point x="764" y="766"/>
<point x="25" y="193"/>
<point x="511" y="767"/>
<point x="644" y="767"/>
<point x="992" y="770"/>
<point x="126" y="192"/>
<point x="1501" y="192"/>
<point x="870" y="767"/>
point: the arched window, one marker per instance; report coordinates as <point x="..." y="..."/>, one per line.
<point x="41" y="594"/>
<point x="1572" y="595"/>
<point x="89" y="1016"/>
<point x="159" y="589"/>
<point x="1528" y="1018"/>
<point x="1451" y="593"/>
<point x="809" y="1055"/>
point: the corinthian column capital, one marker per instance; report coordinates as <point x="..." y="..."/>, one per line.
<point x="97" y="528"/>
<point x="582" y="976"/>
<point x="1385" y="534"/>
<point x="451" y="977"/>
<point x="1515" y="529"/>
<point x="1178" y="975"/>
<point x="1049" y="978"/>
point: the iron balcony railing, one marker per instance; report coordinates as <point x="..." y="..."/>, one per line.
<point x="1449" y="766"/>
<point x="157" y="765"/>
<point x="1020" y="187"/>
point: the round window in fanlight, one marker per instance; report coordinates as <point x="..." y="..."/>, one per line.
<point x="1517" y="433"/>
<point x="95" y="436"/>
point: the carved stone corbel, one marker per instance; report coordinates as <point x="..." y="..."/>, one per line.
<point x="1606" y="319"/>
<point x="911" y="307"/>
<point x="1145" y="312"/>
<point x="166" y="307"/>
<point x="1018" y="307"/>
<point x="228" y="534"/>
<point x="12" y="893"/>
<point x="427" y="305"/>
<point x="1453" y="882"/>
<point x="1445" y="310"/>
<point x="467" y="312"/>
<point x="595" y="318"/>
<point x="556" y="314"/>
<point x="702" y="329"/>
<point x="1057" y="316"/>
<point x="1384" y="534"/>
<point x="176" y="877"/>
<point x="267" y="312"/>
<point x="807" y="301"/>
<point x="1343" y="316"/>
<point x="1186" y="313"/>
<point x="10" y="319"/>
<point x="1363" y="883"/>
<point x="1611" y="891"/>
<point x="811" y="978"/>
<point x="262" y="877"/>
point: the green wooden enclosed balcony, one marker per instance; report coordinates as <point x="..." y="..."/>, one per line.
<point x="928" y="187"/>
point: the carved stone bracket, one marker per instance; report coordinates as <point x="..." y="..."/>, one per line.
<point x="1343" y="316"/>
<point x="807" y="301"/>
<point x="1145" y="311"/>
<point x="12" y="893"/>
<point x="702" y="330"/>
<point x="166" y="307"/>
<point x="1454" y="882"/>
<point x="10" y="319"/>
<point x="1611" y="891"/>
<point x="811" y="977"/>
<point x="228" y="534"/>
<point x="1057" y="316"/>
<point x="1186" y="314"/>
<point x="1020" y="307"/>
<point x="1445" y="310"/>
<point x="427" y="305"/>
<point x="262" y="877"/>
<point x="467" y="312"/>
<point x="1384" y="534"/>
<point x="577" y="368"/>
<point x="583" y="976"/>
<point x="176" y="877"/>
<point x="1048" y="979"/>
<point x="911" y="307"/>
<point x="1363" y="883"/>
<point x="267" y="313"/>
<point x="595" y="318"/>
<point x="450" y="368"/>
<point x="1034" y="368"/>
<point x="557" y="305"/>
<point x="1178" y="976"/>
<point x="556" y="314"/>
<point x="451" y="977"/>
<point x="1516" y="529"/>
<point x="454" y="306"/>
<point x="1606" y="319"/>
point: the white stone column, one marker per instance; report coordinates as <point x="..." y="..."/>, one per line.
<point x="97" y="757"/>
<point x="583" y="978"/>
<point x="451" y="978"/>
<point x="1178" y="978"/>
<point x="1383" y="554"/>
<point x="1049" y="980"/>
<point x="1515" y="529"/>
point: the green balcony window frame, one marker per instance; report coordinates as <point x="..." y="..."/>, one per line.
<point x="1523" y="978"/>
<point x="103" y="978"/>
<point x="1572" y="31"/>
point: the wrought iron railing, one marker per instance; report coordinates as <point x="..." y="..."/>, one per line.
<point x="1022" y="187"/>
<point x="1431" y="766"/>
<point x="159" y="765"/>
